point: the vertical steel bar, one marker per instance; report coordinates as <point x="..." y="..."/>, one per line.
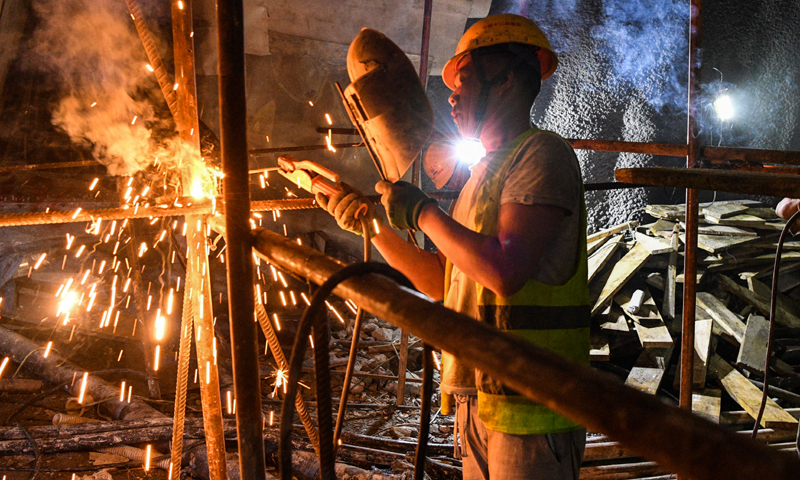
<point x="233" y="126"/>
<point x="185" y="88"/>
<point x="690" y="260"/>
<point x="198" y="281"/>
<point x="416" y="175"/>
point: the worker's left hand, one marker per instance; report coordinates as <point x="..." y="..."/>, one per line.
<point x="403" y="202"/>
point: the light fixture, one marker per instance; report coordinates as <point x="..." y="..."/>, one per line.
<point x="470" y="152"/>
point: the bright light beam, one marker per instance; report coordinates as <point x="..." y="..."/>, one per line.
<point x="724" y="107"/>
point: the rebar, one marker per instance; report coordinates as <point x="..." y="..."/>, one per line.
<point x="280" y="359"/>
<point x="79" y="216"/>
<point x="137" y="455"/>
<point x="181" y="384"/>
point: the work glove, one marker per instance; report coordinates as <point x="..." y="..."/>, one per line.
<point x="403" y="202"/>
<point x="348" y="207"/>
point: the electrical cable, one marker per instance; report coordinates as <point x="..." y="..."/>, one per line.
<point x="772" y="308"/>
<point x="312" y="317"/>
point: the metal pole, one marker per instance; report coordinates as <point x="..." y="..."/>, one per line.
<point x="233" y="126"/>
<point x="690" y="260"/>
<point x="679" y="441"/>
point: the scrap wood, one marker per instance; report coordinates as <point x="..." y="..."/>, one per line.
<point x="748" y="396"/>
<point x="592" y="247"/>
<point x="616" y="321"/>
<point x="782" y="315"/>
<point x="753" y="351"/>
<point x="720" y="243"/>
<point x="765" y="291"/>
<point x="655" y="246"/>
<point x="707" y="403"/>
<point x="724" y="210"/>
<point x="648" y="372"/>
<point x="600" y="351"/>
<point x="611" y="231"/>
<point x="599" y="259"/>
<point x="621" y="273"/>
<point x="702" y="349"/>
<point x="650" y="327"/>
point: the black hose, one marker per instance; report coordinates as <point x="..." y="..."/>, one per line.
<point x="424" y="412"/>
<point x="313" y="316"/>
<point x="772" y="307"/>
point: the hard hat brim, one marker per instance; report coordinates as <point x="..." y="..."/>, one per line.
<point x="547" y="60"/>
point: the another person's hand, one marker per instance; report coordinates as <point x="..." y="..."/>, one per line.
<point x="403" y="202"/>
<point x="786" y="208"/>
<point x="348" y="207"/>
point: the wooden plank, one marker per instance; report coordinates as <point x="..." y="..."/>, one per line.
<point x="654" y="245"/>
<point x="765" y="291"/>
<point x="700" y="274"/>
<point x="702" y="349"/>
<point x="621" y="273"/>
<point x="617" y="321"/>
<point x="707" y="404"/>
<point x="723" y="317"/>
<point x="650" y="327"/>
<point x="761" y="212"/>
<point x="739" y="221"/>
<point x="748" y="396"/>
<point x="724" y="230"/>
<point x="753" y="351"/>
<point x="648" y="371"/>
<point x="721" y="243"/>
<point x="667" y="212"/>
<point x="782" y="316"/>
<point x="661" y="228"/>
<point x="600" y="351"/>
<point x="611" y="231"/>
<point x="670" y="286"/>
<point x="724" y="210"/>
<point x="600" y="258"/>
<point x="656" y="280"/>
<point x="593" y="246"/>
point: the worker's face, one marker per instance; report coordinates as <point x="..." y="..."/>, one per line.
<point x="464" y="99"/>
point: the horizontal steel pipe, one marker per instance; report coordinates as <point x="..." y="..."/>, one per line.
<point x="665" y="149"/>
<point x="263" y="151"/>
<point x="754" y="183"/>
<point x="676" y="439"/>
<point x="74" y="216"/>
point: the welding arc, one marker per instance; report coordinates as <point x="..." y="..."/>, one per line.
<point x="772" y="307"/>
<point x="313" y="317"/>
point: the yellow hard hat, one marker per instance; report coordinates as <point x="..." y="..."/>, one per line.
<point x="496" y="30"/>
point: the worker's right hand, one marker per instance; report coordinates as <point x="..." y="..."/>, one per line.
<point x="348" y="207"/>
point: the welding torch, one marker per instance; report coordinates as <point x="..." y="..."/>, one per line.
<point x="309" y="176"/>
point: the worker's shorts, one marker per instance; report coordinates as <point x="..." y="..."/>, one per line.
<point x="487" y="454"/>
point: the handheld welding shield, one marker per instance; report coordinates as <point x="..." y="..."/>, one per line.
<point x="387" y="102"/>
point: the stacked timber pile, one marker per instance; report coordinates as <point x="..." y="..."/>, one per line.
<point x="636" y="287"/>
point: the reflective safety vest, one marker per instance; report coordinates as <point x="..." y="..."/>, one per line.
<point x="553" y="317"/>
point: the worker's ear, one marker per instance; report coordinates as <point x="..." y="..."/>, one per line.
<point x="505" y="85"/>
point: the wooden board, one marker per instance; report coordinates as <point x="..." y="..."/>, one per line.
<point x="765" y="291"/>
<point x="782" y="316"/>
<point x="666" y="212"/>
<point x="739" y="221"/>
<point x="721" y="243"/>
<point x="748" y="396"/>
<point x="662" y="227"/>
<point x="620" y="274"/>
<point x="611" y="231"/>
<point x="617" y="320"/>
<point x="599" y="351"/>
<point x="656" y="280"/>
<point x="707" y="404"/>
<point x="592" y="247"/>
<point x="600" y="258"/>
<point x="761" y="212"/>
<point x="702" y="349"/>
<point x="650" y="327"/>
<point x="753" y="351"/>
<point x="724" y="210"/>
<point x="723" y="317"/>
<point x="723" y="230"/>
<point x="700" y="274"/>
<point x="654" y="245"/>
<point x="648" y="371"/>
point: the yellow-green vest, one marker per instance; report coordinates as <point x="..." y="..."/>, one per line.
<point x="554" y="317"/>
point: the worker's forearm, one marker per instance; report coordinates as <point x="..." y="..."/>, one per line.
<point x="421" y="267"/>
<point x="481" y="258"/>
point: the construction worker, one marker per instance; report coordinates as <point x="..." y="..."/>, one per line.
<point x="513" y="253"/>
